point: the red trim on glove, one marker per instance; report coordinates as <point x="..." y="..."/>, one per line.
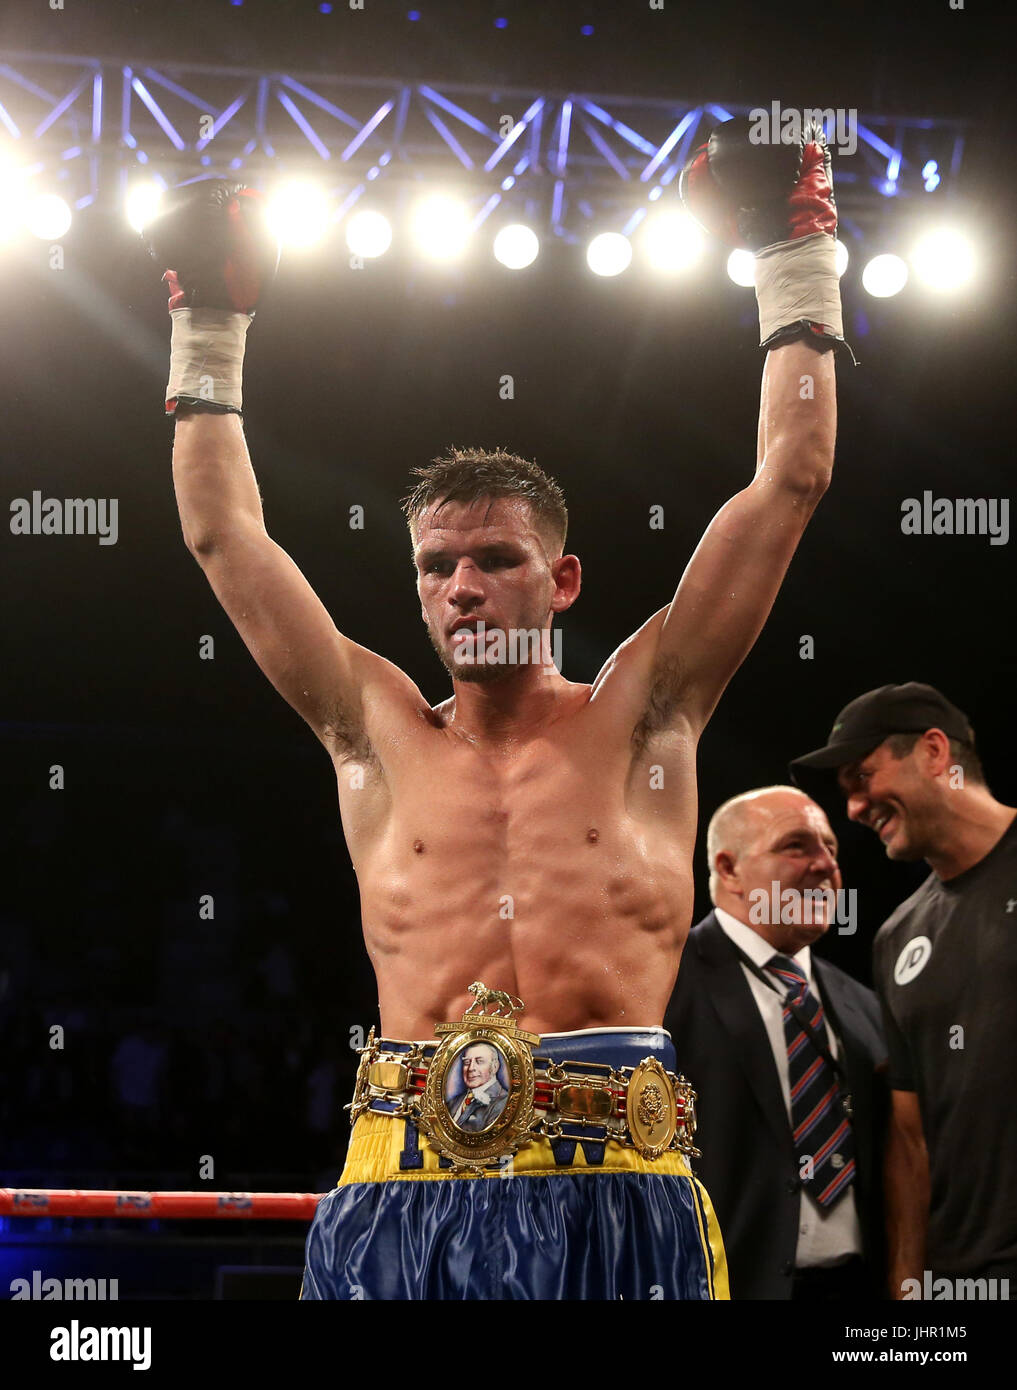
<point x="811" y="201"/>
<point x="178" y="296"/>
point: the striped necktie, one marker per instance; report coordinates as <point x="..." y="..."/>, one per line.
<point x="821" y="1132"/>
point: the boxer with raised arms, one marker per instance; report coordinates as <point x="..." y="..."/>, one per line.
<point x="529" y="832"/>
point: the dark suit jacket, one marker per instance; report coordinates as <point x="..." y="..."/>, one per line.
<point x="748" y="1165"/>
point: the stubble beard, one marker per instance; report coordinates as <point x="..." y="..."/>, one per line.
<point x="471" y="672"/>
<point x="480" y="672"/>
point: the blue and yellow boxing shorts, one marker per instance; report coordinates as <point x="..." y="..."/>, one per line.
<point x="570" y="1215"/>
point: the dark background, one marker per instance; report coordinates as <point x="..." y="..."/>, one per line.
<point x="186" y="777"/>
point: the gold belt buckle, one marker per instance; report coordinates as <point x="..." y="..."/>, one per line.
<point x="388" y="1076"/>
<point x="651" y="1108"/>
<point x="385" y="1075"/>
<point x="584" y="1100"/>
<point x="477" y="1104"/>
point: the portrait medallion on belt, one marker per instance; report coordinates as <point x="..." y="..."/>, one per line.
<point x="477" y="1104"/>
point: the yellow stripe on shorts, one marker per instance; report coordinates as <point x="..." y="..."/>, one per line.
<point x="378" y="1141"/>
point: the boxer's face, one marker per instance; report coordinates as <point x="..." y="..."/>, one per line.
<point x="790" y="843"/>
<point x="486" y="561"/>
<point x="478" y="1066"/>
<point x="891" y="796"/>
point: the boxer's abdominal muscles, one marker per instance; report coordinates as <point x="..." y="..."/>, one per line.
<point x="529" y="873"/>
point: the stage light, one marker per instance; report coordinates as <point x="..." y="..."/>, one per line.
<point x="516" y="246"/>
<point x="884" y="276"/>
<point x="672" y="241"/>
<point x="609" y="253"/>
<point x="944" y="260"/>
<point x="298" y="213"/>
<point x="47" y="216"/>
<point x="368" y="234"/>
<point x="741" y="267"/>
<point x="842" y="258"/>
<point x="142" y="202"/>
<point x="441" y="228"/>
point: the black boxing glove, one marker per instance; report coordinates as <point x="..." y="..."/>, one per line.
<point x="211" y="236"/>
<point x="776" y="200"/>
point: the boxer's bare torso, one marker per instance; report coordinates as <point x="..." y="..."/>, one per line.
<point x="555" y="865"/>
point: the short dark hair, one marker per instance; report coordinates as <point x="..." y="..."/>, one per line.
<point x="467" y="475"/>
<point x="962" y="751"/>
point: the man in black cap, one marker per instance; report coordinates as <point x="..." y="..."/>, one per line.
<point x="945" y="968"/>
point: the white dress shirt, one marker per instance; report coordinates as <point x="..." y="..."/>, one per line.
<point x="825" y="1236"/>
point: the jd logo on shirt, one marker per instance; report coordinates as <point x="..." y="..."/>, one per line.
<point x="912" y="960"/>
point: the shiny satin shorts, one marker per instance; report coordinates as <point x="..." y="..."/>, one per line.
<point x="568" y="1218"/>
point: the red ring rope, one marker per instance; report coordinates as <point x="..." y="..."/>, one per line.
<point x="259" y="1206"/>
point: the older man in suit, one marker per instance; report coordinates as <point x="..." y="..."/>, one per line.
<point x="786" y="1053"/>
<point x="484" y="1099"/>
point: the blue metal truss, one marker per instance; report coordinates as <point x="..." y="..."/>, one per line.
<point x="566" y="162"/>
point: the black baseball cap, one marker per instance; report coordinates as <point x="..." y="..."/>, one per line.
<point x="862" y="726"/>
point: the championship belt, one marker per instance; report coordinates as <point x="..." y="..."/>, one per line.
<point x="481" y="1094"/>
<point x="489" y="1044"/>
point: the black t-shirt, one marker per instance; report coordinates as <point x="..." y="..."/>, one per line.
<point x="945" y="968"/>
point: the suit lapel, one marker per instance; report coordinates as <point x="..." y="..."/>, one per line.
<point x="733" y="1002"/>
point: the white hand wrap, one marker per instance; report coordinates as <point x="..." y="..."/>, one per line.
<point x="797" y="280"/>
<point x="207" y="356"/>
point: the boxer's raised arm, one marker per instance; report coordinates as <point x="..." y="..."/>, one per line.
<point x="778" y="202"/>
<point x="283" y="623"/>
<point x="732" y="580"/>
<point x="217" y="492"/>
<point x="219" y="255"/>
